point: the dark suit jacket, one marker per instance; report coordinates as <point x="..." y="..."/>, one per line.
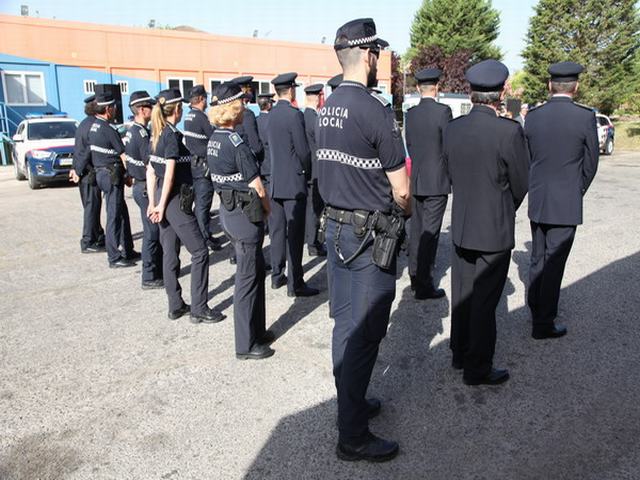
<point x="563" y="140"/>
<point x="289" y="151"/>
<point x="424" y="131"/>
<point x="310" y="120"/>
<point x="248" y="130"/>
<point x="488" y="163"/>
<point x="262" y="121"/>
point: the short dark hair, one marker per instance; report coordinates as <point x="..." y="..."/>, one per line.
<point x="100" y="109"/>
<point x="485" y="98"/>
<point x="347" y="57"/>
<point x="90" y="108"/>
<point x="424" y="87"/>
<point x="282" y="89"/>
<point x="563" y="87"/>
<point x="196" y="99"/>
<point x="264" y="102"/>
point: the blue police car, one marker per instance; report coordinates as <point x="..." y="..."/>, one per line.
<point x="43" y="149"/>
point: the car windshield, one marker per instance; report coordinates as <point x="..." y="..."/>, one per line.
<point x="51" y="130"/>
<point x="603" y="121"/>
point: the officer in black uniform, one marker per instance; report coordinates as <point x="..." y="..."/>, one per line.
<point x="84" y="175"/>
<point x="563" y="140"/>
<point x="107" y="154"/>
<point x="488" y="165"/>
<point x="290" y="162"/>
<point x="169" y="186"/>
<point x="197" y="131"/>
<point x="265" y="103"/>
<point x="335" y="81"/>
<point x="248" y="129"/>
<point x="243" y="207"/>
<point x="315" y="205"/>
<point x="430" y="185"/>
<point x="136" y="144"/>
<point x="362" y="175"/>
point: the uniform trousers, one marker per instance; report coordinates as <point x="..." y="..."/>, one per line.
<point x="151" y="248"/>
<point x="126" y="237"/>
<point x="315" y="205"/>
<point x="286" y="229"/>
<point x="248" y="295"/>
<point x="114" y="200"/>
<point x="477" y="281"/>
<point x="203" y="196"/>
<point x="426" y="223"/>
<point x="178" y="228"/>
<point x="91" y="198"/>
<point x="551" y="245"/>
<point x="361" y="295"/>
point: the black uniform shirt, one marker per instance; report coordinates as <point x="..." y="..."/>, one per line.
<point x="170" y="147"/>
<point x="105" y="144"/>
<point x="248" y="130"/>
<point x="358" y="141"/>
<point x="197" y="132"/>
<point x="425" y="125"/>
<point x="488" y="164"/>
<point x="136" y="149"/>
<point x="81" y="150"/>
<point x="231" y="162"/>
<point x="310" y="121"/>
<point x="265" y="165"/>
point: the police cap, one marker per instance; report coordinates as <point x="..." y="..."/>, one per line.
<point x="286" y="79"/>
<point x="242" y="81"/>
<point x="358" y="33"/>
<point x="170" y="95"/>
<point x="141" y="97"/>
<point x="429" y="76"/>
<point x="314" y="89"/>
<point x="565" y="71"/>
<point x="267" y="95"/>
<point x="335" y="81"/>
<point x="104" y="98"/>
<point x="487" y="76"/>
<point x="225" y="93"/>
<point x="197" y="91"/>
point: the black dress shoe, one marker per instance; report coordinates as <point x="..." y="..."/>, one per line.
<point x="429" y="294"/>
<point x="278" y="282"/>
<point x="372" y="449"/>
<point x="304" y="291"/>
<point x="152" y="284"/>
<point x="257" y="352"/>
<point x="133" y="255"/>
<point x="214" y="244"/>
<point x="233" y="260"/>
<point x="266" y="338"/>
<point x="495" y="377"/>
<point x="318" y="251"/>
<point x="92" y="249"/>
<point x="208" y="315"/>
<point x="122" y="263"/>
<point x="373" y="407"/>
<point x="414" y="283"/>
<point x="176" y="314"/>
<point x="555" y="331"/>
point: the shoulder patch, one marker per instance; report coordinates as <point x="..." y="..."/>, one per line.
<point x="380" y="98"/>
<point x="235" y="139"/>
<point x="143" y="132"/>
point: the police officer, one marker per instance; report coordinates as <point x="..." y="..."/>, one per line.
<point x="169" y="186"/>
<point x="315" y="205"/>
<point x="563" y="140"/>
<point x="83" y="173"/>
<point x="361" y="174"/>
<point x="197" y="131"/>
<point x="430" y="185"/>
<point x="265" y="103"/>
<point x="248" y="129"/>
<point x="290" y="162"/>
<point x="243" y="206"/>
<point x="107" y="154"/>
<point x="488" y="165"/>
<point x="335" y="81"/>
<point x="136" y="144"/>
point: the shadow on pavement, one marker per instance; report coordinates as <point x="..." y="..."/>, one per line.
<point x="570" y="409"/>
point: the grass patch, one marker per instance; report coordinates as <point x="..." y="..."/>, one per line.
<point x="627" y="135"/>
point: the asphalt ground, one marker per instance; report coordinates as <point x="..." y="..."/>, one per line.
<point x="96" y="383"/>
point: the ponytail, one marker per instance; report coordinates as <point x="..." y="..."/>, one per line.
<point x="158" y="123"/>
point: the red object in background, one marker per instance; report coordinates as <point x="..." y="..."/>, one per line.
<point x="407" y="162"/>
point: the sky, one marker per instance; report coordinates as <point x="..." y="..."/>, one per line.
<point x="301" y="21"/>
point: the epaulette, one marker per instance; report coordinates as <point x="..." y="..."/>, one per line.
<point x="380" y="98"/>
<point x="531" y="109"/>
<point x="586" y="107"/>
<point x="235" y="139"/>
<point x="172" y="127"/>
<point x="143" y="132"/>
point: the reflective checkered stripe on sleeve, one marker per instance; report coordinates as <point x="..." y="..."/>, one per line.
<point x="199" y="136"/>
<point x="236" y="177"/>
<point x="133" y="161"/>
<point x="163" y="161"/>
<point x="106" y="151"/>
<point x="346" y="159"/>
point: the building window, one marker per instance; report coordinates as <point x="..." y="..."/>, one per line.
<point x="182" y="84"/>
<point x="89" y="87"/>
<point x="23" y="88"/>
<point x="213" y="84"/>
<point x="124" y="87"/>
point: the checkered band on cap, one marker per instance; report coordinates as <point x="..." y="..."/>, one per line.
<point x="230" y="99"/>
<point x="139" y="100"/>
<point x="362" y="41"/>
<point x="350" y="160"/>
<point x="236" y="177"/>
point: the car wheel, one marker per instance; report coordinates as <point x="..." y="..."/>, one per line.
<point x="33" y="182"/>
<point x="16" y="170"/>
<point x="608" y="147"/>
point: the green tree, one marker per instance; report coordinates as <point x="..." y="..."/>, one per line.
<point x="455" y="25"/>
<point x="601" y="35"/>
